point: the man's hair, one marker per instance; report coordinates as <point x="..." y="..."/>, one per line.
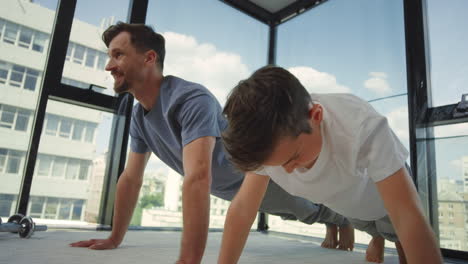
<point x="142" y="37"/>
<point x="270" y="105"/>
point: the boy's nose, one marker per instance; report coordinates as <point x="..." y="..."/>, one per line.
<point x="289" y="168"/>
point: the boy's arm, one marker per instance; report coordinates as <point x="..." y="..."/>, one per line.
<point x="404" y="208"/>
<point x="197" y="157"/>
<point x="240" y="216"/>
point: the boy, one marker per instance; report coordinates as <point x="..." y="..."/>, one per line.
<point x="333" y="149"/>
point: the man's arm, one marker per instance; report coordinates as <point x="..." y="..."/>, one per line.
<point x="240" y="216"/>
<point x="126" y="197"/>
<point x="197" y="158"/>
<point x="404" y="208"/>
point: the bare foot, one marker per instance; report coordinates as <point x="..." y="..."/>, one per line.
<point x="375" y="250"/>
<point x="401" y="253"/>
<point x="331" y="238"/>
<point x="346" y="241"/>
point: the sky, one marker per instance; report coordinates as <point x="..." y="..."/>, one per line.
<point x="338" y="46"/>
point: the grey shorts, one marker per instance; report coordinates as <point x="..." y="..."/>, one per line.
<point x="381" y="227"/>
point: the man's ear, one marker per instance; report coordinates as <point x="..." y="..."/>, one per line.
<point x="316" y="113"/>
<point x="151" y="56"/>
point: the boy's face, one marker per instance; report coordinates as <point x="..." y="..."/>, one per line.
<point x="300" y="152"/>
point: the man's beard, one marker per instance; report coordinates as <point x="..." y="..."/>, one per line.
<point x="122" y="88"/>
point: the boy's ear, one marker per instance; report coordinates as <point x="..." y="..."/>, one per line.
<point x="316" y="113"/>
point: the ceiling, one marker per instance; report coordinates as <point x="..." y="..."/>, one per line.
<point x="273" y="12"/>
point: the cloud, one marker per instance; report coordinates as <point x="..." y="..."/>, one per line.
<point x="378" y="83"/>
<point x="318" y="82"/>
<point x="398" y="121"/>
<point x="456" y="163"/>
<point x="451" y="130"/>
<point x="219" y="71"/>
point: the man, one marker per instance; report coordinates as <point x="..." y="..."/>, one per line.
<point x="181" y="122"/>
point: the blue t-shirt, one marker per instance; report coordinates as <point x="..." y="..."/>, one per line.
<point x="183" y="112"/>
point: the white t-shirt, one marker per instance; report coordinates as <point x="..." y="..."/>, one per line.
<point x="358" y="149"/>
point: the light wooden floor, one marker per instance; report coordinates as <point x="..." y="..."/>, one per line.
<point x="157" y="247"/>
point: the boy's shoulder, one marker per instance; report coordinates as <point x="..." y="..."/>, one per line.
<point x="344" y="103"/>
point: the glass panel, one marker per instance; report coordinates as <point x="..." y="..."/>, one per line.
<point x="371" y="65"/>
<point x="451" y="156"/>
<point x="45" y="161"/>
<point x="78" y="128"/>
<point x="447" y="23"/>
<point x="65" y="163"/>
<point x="25" y="37"/>
<point x="21" y="67"/>
<point x="36" y="207"/>
<point x="40" y="40"/>
<point x="52" y="124"/>
<point x="22" y="120"/>
<point x="216" y="55"/>
<point x="87" y="54"/>
<point x="72" y="169"/>
<point x="11" y="33"/>
<point x="51" y="208"/>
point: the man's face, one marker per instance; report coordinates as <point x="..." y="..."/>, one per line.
<point x="300" y="152"/>
<point x="125" y="63"/>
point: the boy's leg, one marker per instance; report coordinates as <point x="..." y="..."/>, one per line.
<point x="375" y="249"/>
<point x="279" y="202"/>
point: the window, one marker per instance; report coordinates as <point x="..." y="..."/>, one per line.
<point x="14" y="161"/>
<point x="73" y="169"/>
<point x="31" y="79"/>
<point x="2" y="24"/>
<point x="39" y="41"/>
<point x="90" y="57"/>
<point x="78" y="128"/>
<point x="78" y="55"/>
<point x="84" y="170"/>
<point x="52" y="124"/>
<point x="77" y="210"/>
<point x="102" y="60"/>
<point x="6" y="204"/>
<point x="3" y="156"/>
<point x="51" y="208"/>
<point x="65" y="128"/>
<point x="3" y="72"/>
<point x="17" y="75"/>
<point x="11" y="33"/>
<point x="59" y="167"/>
<point x="89" y="135"/>
<point x="22" y="119"/>
<point x="44" y="165"/>
<point x="7" y="117"/>
<point x="69" y="51"/>
<point x="25" y="37"/>
<point x="36" y="206"/>
<point x="65" y="209"/>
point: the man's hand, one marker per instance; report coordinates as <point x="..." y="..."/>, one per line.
<point x="98" y="244"/>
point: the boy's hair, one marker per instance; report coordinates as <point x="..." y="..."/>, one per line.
<point x="269" y="105"/>
<point x="142" y="37"/>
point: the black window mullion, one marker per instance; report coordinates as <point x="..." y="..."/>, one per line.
<point x="120" y="126"/>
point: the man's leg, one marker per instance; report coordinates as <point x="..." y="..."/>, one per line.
<point x="375" y="249"/>
<point x="279" y="202"/>
<point x="385" y="228"/>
